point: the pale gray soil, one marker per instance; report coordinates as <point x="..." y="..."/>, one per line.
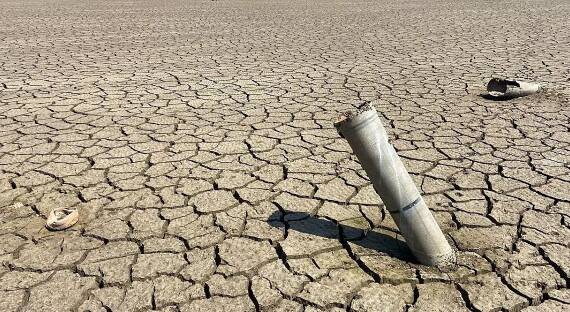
<point x="197" y="140"/>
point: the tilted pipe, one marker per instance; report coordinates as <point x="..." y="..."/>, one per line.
<point x="368" y="139"/>
<point x="507" y="89"/>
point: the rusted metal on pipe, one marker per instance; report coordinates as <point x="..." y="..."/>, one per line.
<point x="368" y="139"/>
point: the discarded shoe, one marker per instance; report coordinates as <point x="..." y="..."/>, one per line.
<point x="61" y="219"/>
<point x="502" y="89"/>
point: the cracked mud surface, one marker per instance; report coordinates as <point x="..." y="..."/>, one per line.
<point x="197" y="141"/>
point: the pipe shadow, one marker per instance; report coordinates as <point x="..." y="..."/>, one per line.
<point x="370" y="239"/>
<point x="489" y="97"/>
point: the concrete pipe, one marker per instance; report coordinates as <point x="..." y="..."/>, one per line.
<point x="507" y="89"/>
<point x="368" y="139"/>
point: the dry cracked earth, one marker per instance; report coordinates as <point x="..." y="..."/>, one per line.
<point x="197" y="141"/>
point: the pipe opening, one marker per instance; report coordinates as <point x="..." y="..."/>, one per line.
<point x="348" y="116"/>
<point x="498" y="86"/>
